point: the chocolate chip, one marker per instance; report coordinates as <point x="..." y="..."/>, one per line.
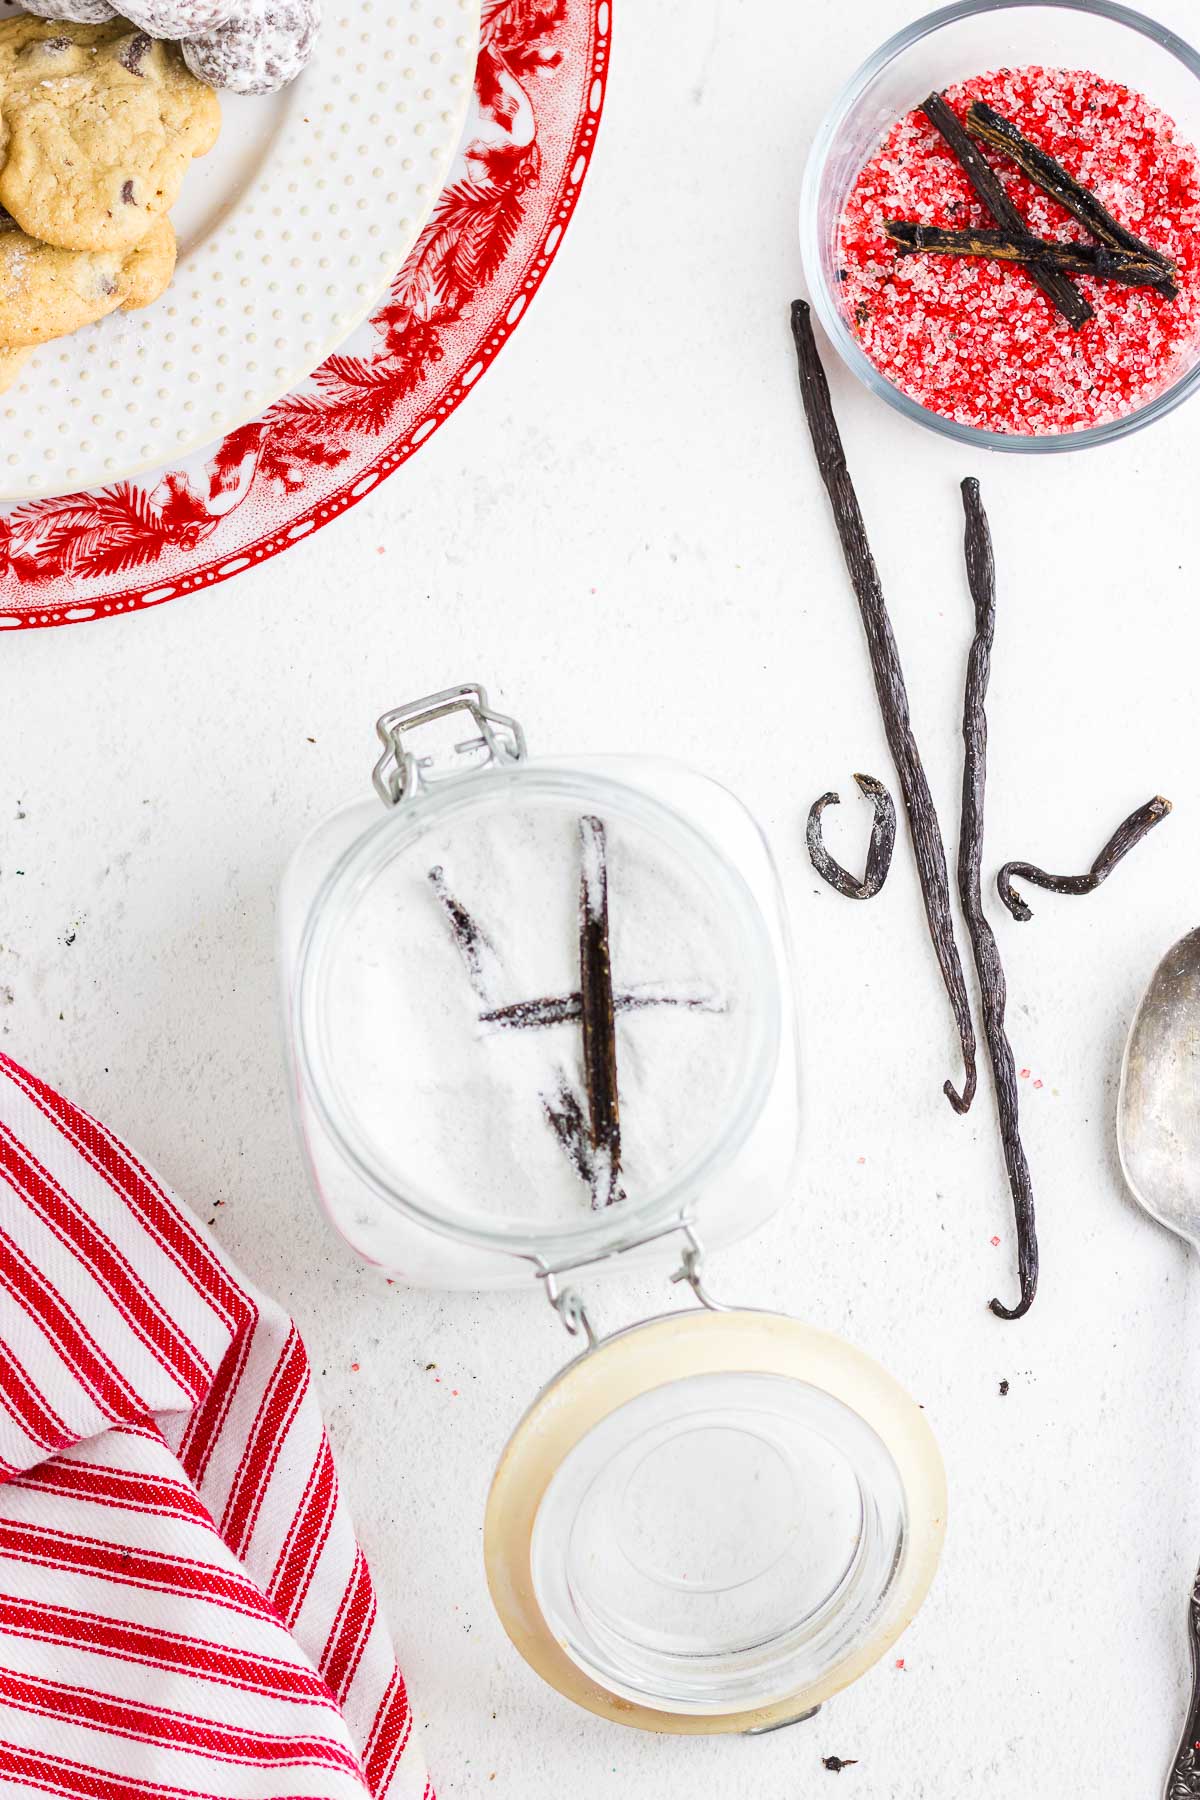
<point x="127" y="192"/>
<point x="53" y="46"/>
<point x="134" y="52"/>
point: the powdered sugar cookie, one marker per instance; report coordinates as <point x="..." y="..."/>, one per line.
<point x="263" y="47"/>
<point x="77" y="12"/>
<point x="170" y="18"/>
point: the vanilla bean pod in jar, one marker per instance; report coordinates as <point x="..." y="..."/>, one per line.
<point x="541" y="1024"/>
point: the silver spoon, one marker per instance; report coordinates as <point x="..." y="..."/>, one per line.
<point x="1158" y="1140"/>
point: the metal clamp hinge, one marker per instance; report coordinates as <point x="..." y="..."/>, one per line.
<point x="398" y="773"/>
<point x="568" y="1302"/>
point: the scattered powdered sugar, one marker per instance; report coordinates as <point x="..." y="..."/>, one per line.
<point x="261" y="48"/>
<point x="461" y="1107"/>
<point x="14" y="254"/>
<point x="976" y="341"/>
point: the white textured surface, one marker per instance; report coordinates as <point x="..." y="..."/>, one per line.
<point x="623" y="533"/>
<point x="289" y="229"/>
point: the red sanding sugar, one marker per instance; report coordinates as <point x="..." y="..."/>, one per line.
<point x="976" y="341"/>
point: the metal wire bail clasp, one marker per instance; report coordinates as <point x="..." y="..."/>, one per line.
<point x="398" y="773"/>
<point x="568" y="1302"/>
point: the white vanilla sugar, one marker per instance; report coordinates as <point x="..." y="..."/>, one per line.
<point x="453" y="1013"/>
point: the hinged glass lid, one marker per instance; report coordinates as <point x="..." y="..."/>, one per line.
<point x="714" y="1521"/>
<point x="445" y="1001"/>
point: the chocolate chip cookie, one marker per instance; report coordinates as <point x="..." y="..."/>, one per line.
<point x="97" y="126"/>
<point x="46" y="292"/>
<point x="12" y="361"/>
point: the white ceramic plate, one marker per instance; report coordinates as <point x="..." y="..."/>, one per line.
<point x="289" y="230"/>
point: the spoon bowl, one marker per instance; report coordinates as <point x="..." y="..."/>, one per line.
<point x="1158" y="1110"/>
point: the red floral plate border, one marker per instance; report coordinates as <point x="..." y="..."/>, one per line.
<point x="539" y="89"/>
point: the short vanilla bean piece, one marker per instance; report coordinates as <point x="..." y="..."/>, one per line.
<point x="1129" y="833"/>
<point x="879" y="852"/>
<point x="480" y="957"/>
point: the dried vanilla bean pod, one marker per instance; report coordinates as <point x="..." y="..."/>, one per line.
<point x="480" y="956"/>
<point x="879" y="853"/>
<point x="598" y="1015"/>
<point x="567" y="1009"/>
<point x="1058" y="289"/>
<point x="1129" y="833"/>
<point x="993" y="129"/>
<point x="1101" y="261"/>
<point x="567" y="1120"/>
<point x="531" y="1015"/>
<point x="926" y="833"/>
<point x="485" y="972"/>
<point x="981" y="577"/>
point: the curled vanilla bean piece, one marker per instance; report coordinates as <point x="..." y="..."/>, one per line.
<point x="879" y="852"/>
<point x="1129" y="833"/>
<point x="981" y="578"/>
<point x="928" y="848"/>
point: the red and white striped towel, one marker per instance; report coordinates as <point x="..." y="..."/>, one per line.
<point x="184" y="1611"/>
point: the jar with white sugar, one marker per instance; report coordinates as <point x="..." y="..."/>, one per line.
<point x="540" y="1010"/>
<point x="541" y="1025"/>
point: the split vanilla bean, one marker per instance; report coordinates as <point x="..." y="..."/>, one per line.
<point x="926" y="833"/>
<point x="1100" y="261"/>
<point x="1058" y="289"/>
<point x="565" y="1117"/>
<point x="478" y="953"/>
<point x="993" y="129"/>
<point x="567" y="1009"/>
<point x="485" y="972"/>
<point x="1128" y="834"/>
<point x="879" y="852"/>
<point x="598" y="1016"/>
<point x="981" y="578"/>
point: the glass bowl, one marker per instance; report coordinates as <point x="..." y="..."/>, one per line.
<point x="948" y="46"/>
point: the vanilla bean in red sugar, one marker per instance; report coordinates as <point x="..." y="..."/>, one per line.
<point x="977" y="338"/>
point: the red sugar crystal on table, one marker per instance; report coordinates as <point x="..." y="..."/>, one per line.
<point x="975" y="340"/>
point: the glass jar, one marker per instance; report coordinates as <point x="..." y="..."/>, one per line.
<point x="541" y="1023"/>
<point x="432" y="1109"/>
